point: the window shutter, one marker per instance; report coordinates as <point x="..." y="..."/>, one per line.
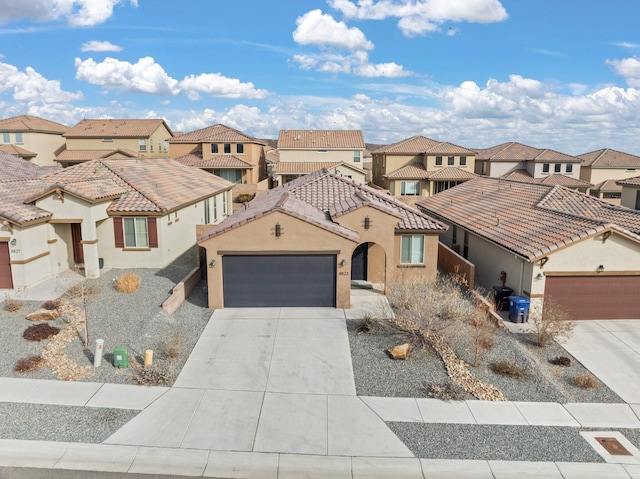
<point x="118" y="232"/>
<point x="153" y="232"/>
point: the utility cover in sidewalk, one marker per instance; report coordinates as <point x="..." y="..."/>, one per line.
<point x="613" y="446"/>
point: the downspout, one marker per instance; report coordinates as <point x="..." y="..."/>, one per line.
<point x="521" y="275"/>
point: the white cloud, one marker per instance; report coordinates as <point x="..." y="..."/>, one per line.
<point x="627" y="45"/>
<point x="218" y="85"/>
<point x="80" y="13"/>
<point x="316" y="28"/>
<point x="145" y="76"/>
<point x="100" y="46"/>
<point x="629" y="68"/>
<point x="30" y="87"/>
<point x="417" y="17"/>
<point x="356" y="64"/>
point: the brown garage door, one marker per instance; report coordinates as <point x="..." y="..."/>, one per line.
<point x="5" y="267"/>
<point x="596" y="297"/>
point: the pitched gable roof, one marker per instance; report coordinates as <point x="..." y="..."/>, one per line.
<point x="552" y="179"/>
<point x="321" y="196"/>
<point x="609" y="158"/>
<point x="217" y="162"/>
<point x="320" y="139"/>
<point x="28" y="123"/>
<point x="417" y="171"/>
<point x="77" y="156"/>
<point x="17" y="151"/>
<point x="531" y="220"/>
<point x="12" y="167"/>
<point x="116" y="128"/>
<point x="216" y="134"/>
<point x="635" y="181"/>
<point x="514" y="151"/>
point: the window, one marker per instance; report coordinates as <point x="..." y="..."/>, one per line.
<point x="465" y="247"/>
<point x="463" y="161"/>
<point x="136" y="234"/>
<point x="165" y="146"/>
<point x="234" y="176"/>
<point x="207" y="213"/>
<point x="19" y="138"/>
<point x="240" y="149"/>
<point x="454" y="236"/>
<point x="150" y="144"/>
<point x="638" y="200"/>
<point x="557" y="168"/>
<point x="545" y="167"/>
<point x="215" y="208"/>
<point x="142" y="144"/>
<point x="441" y="186"/>
<point x="569" y="168"/>
<point x="412" y="249"/>
<point x="227" y="148"/>
<point x="214" y="148"/>
<point x="6" y="137"/>
<point x="451" y="160"/>
<point x="322" y="151"/>
<point x="224" y="204"/>
<point x="107" y="139"/>
<point x="410" y="188"/>
<point x="356" y="156"/>
<point x="438" y="161"/>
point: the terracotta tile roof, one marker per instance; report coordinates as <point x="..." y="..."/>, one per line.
<point x="12" y="167"/>
<point x="514" y="151"/>
<point x="17" y="151"/>
<point x="635" y="181"/>
<point x="120" y="128"/>
<point x="532" y="220"/>
<point x="320" y="139"/>
<point x="215" y="134"/>
<point x="12" y="205"/>
<point x="306" y="167"/>
<point x="608" y="158"/>
<point x="519" y="175"/>
<point x="451" y="174"/>
<point x="28" y="123"/>
<point x="414" y="145"/>
<point x="272" y="155"/>
<point x="218" y="162"/>
<point x="77" y="156"/>
<point x="446" y="148"/>
<point x="609" y="186"/>
<point x="413" y="171"/>
<point x="552" y="180"/>
<point x="318" y="196"/>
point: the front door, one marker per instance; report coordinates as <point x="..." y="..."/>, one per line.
<point x="6" y="281"/>
<point x="359" y="262"/>
<point x="76" y="239"/>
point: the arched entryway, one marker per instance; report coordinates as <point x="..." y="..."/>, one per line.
<point x="369" y="263"/>
<point x="359" y="262"/>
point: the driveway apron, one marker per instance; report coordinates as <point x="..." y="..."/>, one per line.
<point x="267" y="380"/>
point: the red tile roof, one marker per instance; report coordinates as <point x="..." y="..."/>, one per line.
<point x="320" y="139"/>
<point x="110" y="128"/>
<point x="34" y="124"/>
<point x="417" y="171"/>
<point x="514" y="151"/>
<point x="418" y="144"/>
<point x="217" y="162"/>
<point x="12" y="167"/>
<point x="320" y="196"/>
<point x="635" y="181"/>
<point x="215" y="134"/>
<point x="17" y="151"/>
<point x="552" y="179"/>
<point x="608" y="158"/>
<point x="306" y="167"/>
<point x="77" y="156"/>
<point x="532" y="220"/>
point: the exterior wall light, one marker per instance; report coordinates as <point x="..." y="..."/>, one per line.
<point x="600" y="269"/>
<point x="212" y="263"/>
<point x="278" y="230"/>
<point x="539" y="276"/>
<point x="367" y="223"/>
<point x="343" y="262"/>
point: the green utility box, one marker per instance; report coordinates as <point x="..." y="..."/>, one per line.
<point x="120" y="357"/>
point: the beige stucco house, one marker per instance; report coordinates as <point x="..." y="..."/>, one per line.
<point x="118" y="213"/>
<point x="301" y="244"/>
<point x="602" y="168"/>
<point x="73" y="157"/>
<point x="32" y="138"/>
<point x="551" y="241"/>
<point x="419" y="166"/>
<point x="630" y="196"/>
<point x="304" y="151"/>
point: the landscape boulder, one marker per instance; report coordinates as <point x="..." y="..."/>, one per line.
<point x="401" y="351"/>
<point x="43" y="315"/>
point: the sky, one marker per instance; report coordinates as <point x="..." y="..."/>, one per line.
<point x="555" y="74"/>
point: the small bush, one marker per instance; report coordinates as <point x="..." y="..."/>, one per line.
<point x="585" y="381"/>
<point x="244" y="197"/>
<point x="12" y="305"/>
<point x="173" y="346"/>
<point x="561" y="361"/>
<point x="443" y="391"/>
<point x="365" y="324"/>
<point x="509" y="369"/>
<point x="156" y="375"/>
<point x="28" y="364"/>
<point x="52" y="304"/>
<point x="39" y="332"/>
<point x="127" y="283"/>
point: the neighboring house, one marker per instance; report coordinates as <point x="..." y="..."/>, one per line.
<point x="304" y="151"/>
<point x="301" y="244"/>
<point x="117" y="212"/>
<point x="419" y="166"/>
<point x="630" y="192"/>
<point x="518" y="162"/>
<point x="551" y="241"/>
<point x="225" y="152"/>
<point x="32" y="138"/>
<point x="73" y="157"/>
<point x="146" y="137"/>
<point x="602" y="168"/>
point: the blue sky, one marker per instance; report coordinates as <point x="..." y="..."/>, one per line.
<point x="551" y="74"/>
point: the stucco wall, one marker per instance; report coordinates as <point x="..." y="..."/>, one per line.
<point x="598" y="175"/>
<point x="629" y="194"/>
<point x="46" y="145"/>
<point x="160" y="135"/>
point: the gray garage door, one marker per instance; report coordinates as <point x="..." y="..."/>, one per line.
<point x="279" y="280"/>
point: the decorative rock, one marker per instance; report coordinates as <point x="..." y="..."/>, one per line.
<point x="43" y="315"/>
<point x="401" y="351"/>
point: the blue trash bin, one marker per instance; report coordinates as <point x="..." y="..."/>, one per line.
<point x="519" y="309"/>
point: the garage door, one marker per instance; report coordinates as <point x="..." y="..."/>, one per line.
<point x="279" y="280"/>
<point x="5" y="267"/>
<point x="596" y="297"/>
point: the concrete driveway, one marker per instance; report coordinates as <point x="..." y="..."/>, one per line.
<point x="610" y="350"/>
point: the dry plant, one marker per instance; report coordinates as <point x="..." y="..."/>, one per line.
<point x="40" y="332"/>
<point x="11" y="303"/>
<point x="447" y="391"/>
<point x="481" y="328"/>
<point x="173" y="346"/>
<point x="551" y="322"/>
<point x="509" y="369"/>
<point x="28" y="364"/>
<point x="561" y="361"/>
<point x="74" y="302"/>
<point x="585" y="381"/>
<point x="51" y="304"/>
<point x="127" y="283"/>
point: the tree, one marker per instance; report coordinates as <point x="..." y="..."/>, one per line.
<point x="551" y="321"/>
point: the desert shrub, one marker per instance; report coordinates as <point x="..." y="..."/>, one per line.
<point x="28" y="364"/>
<point x="585" y="381"/>
<point x="551" y="321"/>
<point x="244" y="197"/>
<point x="12" y="305"/>
<point x="446" y="391"/>
<point x="157" y="375"/>
<point x="509" y="369"/>
<point x="364" y="324"/>
<point x="51" y="304"/>
<point x="39" y="332"/>
<point x="481" y="328"/>
<point x="127" y="283"/>
<point x="561" y="361"/>
<point x="173" y="345"/>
